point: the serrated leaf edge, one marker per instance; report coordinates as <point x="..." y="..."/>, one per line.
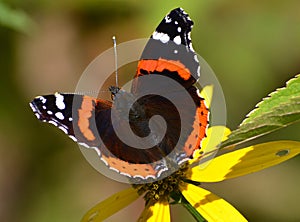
<point x="267" y="98"/>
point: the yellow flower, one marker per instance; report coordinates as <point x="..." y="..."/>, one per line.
<point x="183" y="185"/>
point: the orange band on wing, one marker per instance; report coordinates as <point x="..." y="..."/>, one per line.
<point x="142" y="170"/>
<point x="199" y="130"/>
<point x="84" y="113"/>
<point x="164" y="64"/>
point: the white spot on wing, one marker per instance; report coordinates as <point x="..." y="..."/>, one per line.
<point x="63" y="129"/>
<point x="98" y="152"/>
<point x="182" y="11"/>
<point x="70" y="119"/>
<point x="177" y="40"/>
<point x="114" y="169"/>
<point x="60" y="101"/>
<point x="59" y="115"/>
<point x="73" y="138"/>
<point x="104" y="161"/>
<point x="150" y="177"/>
<point x="163" y="37"/>
<point x="53" y="123"/>
<point x="168" y="19"/>
<point x="32" y="107"/>
<point x="175" y="51"/>
<point x="191" y="47"/>
<point x="49" y="112"/>
<point x="179" y="29"/>
<point x="125" y="174"/>
<point x="183" y="160"/>
<point x="161" y="171"/>
<point x="43" y="99"/>
<point x="139" y="176"/>
<point x="196" y="58"/>
<point x="198" y="71"/>
<point x="176" y="23"/>
<point x="189" y="36"/>
<point x="156" y="35"/>
<point x="84" y="144"/>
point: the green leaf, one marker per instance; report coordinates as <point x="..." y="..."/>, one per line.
<point x="15" y="19"/>
<point x="280" y="109"/>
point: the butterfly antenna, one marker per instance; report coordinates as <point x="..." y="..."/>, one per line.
<point x="93" y="93"/>
<point x="116" y="59"/>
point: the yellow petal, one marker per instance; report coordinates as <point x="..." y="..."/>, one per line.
<point x="207" y="93"/>
<point x="110" y="206"/>
<point x="244" y="161"/>
<point x="215" y="135"/>
<point x="159" y="211"/>
<point x="210" y="206"/>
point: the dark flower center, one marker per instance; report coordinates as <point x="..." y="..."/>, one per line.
<point x="162" y="189"/>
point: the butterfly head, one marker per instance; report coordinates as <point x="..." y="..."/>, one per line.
<point x="113" y="90"/>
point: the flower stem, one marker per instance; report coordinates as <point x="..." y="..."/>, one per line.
<point x="179" y="198"/>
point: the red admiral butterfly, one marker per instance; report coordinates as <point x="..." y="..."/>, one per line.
<point x="92" y="122"/>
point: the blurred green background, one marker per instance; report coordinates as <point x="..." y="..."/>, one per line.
<point x="253" y="47"/>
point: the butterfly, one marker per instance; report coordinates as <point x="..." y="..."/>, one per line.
<point x="168" y="135"/>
